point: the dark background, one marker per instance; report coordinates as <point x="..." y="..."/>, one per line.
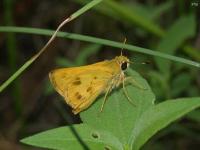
<point x="30" y="105"/>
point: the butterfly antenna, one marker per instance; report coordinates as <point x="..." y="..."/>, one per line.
<point x="123" y="46"/>
<point x="141" y="63"/>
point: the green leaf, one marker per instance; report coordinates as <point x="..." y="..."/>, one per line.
<point x="159" y="85"/>
<point x="181" y="30"/>
<point x="119" y="116"/>
<point x="133" y="126"/>
<point x="76" y="137"/>
<point x="160" y="116"/>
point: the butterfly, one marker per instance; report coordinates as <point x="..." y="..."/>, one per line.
<point x="80" y="86"/>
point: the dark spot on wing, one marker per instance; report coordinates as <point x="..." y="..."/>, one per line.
<point x="89" y="89"/>
<point x="78" y="82"/>
<point x="78" y="95"/>
<point x="95" y="77"/>
<point x="78" y="78"/>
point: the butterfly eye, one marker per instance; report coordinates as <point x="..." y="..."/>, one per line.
<point x="124" y="66"/>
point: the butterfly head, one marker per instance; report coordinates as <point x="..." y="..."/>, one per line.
<point x="123" y="61"/>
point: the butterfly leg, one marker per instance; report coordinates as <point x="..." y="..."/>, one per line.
<point x="126" y="93"/>
<point x="105" y="97"/>
<point x="132" y="81"/>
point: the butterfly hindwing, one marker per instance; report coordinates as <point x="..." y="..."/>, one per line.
<point x="81" y="94"/>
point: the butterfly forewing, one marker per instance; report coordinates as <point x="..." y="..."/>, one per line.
<point x="80" y="86"/>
